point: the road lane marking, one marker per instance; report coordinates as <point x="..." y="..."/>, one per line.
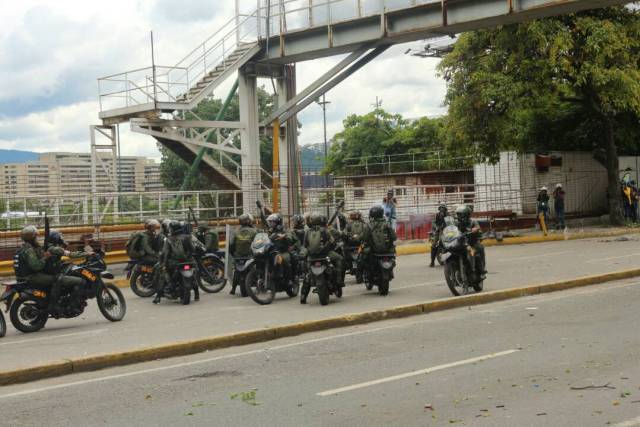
<point x="629" y="423"/>
<point x="591" y="261"/>
<point x="416" y="373"/>
<point x="51" y="337"/>
<point x="524" y="258"/>
<point x="200" y="362"/>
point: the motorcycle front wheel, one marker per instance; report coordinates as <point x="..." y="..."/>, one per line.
<point x="111" y="303"/>
<point x="26" y="316"/>
<point x="261" y="292"/>
<point x="142" y="284"/>
<point x="293" y="290"/>
<point x="213" y="280"/>
<point x="452" y="276"/>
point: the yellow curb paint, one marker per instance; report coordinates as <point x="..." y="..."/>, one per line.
<point x="185" y="348"/>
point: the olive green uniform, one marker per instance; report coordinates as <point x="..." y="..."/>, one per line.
<point x="209" y="239"/>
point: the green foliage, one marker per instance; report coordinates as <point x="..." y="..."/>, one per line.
<point x="380" y="134"/>
<point x="563" y="83"/>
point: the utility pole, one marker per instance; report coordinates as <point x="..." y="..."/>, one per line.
<point x="324" y="104"/>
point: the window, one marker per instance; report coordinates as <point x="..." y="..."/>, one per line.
<point x="358" y="193"/>
<point x="401" y="182"/>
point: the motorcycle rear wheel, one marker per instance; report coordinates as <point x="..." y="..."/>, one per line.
<point x="185" y="295"/>
<point x="383" y="285"/>
<point x="261" y="293"/>
<point x="478" y="286"/>
<point x="26" y="316"/>
<point x="142" y="284"/>
<point x="107" y="303"/>
<point x="294" y="289"/>
<point x="322" y="289"/>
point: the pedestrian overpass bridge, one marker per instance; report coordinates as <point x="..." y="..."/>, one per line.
<point x="262" y="42"/>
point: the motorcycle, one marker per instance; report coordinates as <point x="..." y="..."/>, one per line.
<point x="142" y="278"/>
<point x="322" y="278"/>
<point x="266" y="274"/>
<point x="460" y="270"/>
<point x="29" y="306"/>
<point x="356" y="255"/>
<point x="435" y="238"/>
<point x="211" y="269"/>
<point x="183" y="281"/>
<point x="381" y="273"/>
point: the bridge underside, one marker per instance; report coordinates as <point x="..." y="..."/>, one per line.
<point x="416" y="23"/>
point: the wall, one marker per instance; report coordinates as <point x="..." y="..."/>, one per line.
<point x="498" y="186"/>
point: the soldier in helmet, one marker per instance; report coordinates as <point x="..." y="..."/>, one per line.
<point x="208" y="237"/>
<point x="178" y="248"/>
<point x="382" y="237"/>
<point x="284" y="241"/>
<point x="319" y="243"/>
<point x="468" y="225"/>
<point x="30" y="264"/>
<point x="356" y="233"/>
<point x="240" y="241"/>
<point x="437" y="225"/>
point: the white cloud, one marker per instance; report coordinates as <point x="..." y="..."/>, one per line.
<point x="51" y="54"/>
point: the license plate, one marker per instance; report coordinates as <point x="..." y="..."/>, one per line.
<point x="147" y="269"/>
<point x="39" y="294"/>
<point x="89" y="275"/>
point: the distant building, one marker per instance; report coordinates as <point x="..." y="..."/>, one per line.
<point x="70" y="173"/>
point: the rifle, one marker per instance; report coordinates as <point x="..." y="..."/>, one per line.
<point x="335" y="214"/>
<point x="47" y="232"/>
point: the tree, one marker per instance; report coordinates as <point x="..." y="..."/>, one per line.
<point x="173" y="169"/>
<point x="569" y="82"/>
<point x="375" y="136"/>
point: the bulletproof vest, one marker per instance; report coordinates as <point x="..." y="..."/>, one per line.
<point x="314" y="241"/>
<point x="243" y="239"/>
<point x="380" y="238"/>
<point x="20" y="267"/>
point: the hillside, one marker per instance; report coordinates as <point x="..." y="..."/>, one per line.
<point x="17" y="156"/>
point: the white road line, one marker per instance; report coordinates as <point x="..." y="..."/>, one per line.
<point x="629" y="423"/>
<point x="523" y="258"/>
<point x="28" y="341"/>
<point x="416" y="373"/>
<point x="200" y="362"/>
<point x="591" y="261"/>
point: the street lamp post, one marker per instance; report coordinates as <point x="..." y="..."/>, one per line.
<point x="323" y="104"/>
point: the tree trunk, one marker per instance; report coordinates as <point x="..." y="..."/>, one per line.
<point x="613" y="177"/>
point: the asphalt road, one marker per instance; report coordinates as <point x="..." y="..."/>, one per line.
<point x="562" y="359"/>
<point x="146" y="324"/>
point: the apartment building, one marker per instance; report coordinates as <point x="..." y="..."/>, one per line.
<point x="70" y="173"/>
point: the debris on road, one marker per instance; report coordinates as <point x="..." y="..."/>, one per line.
<point x="595" y="387"/>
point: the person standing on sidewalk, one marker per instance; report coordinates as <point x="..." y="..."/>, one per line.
<point x="558" y="205"/>
<point x="542" y="208"/>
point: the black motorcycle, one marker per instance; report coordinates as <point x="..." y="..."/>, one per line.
<point x="142" y="277"/>
<point x="380" y="273"/>
<point x="435" y="238"/>
<point x="266" y="274"/>
<point x="322" y="279"/>
<point x="29" y="306"/>
<point x="183" y="281"/>
<point x="356" y="255"/>
<point x="460" y="270"/>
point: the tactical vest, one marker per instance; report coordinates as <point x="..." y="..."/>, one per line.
<point x="380" y="237"/>
<point x="314" y="241"/>
<point x="356" y="232"/>
<point x="243" y="239"/>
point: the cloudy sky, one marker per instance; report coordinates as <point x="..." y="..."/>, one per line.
<point x="52" y="52"/>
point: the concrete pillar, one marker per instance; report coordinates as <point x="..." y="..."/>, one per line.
<point x="249" y="140"/>
<point x="285" y="206"/>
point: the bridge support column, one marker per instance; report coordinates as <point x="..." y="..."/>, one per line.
<point x="250" y="141"/>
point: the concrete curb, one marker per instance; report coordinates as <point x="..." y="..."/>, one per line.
<point x="184" y="348"/>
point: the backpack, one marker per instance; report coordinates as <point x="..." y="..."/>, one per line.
<point x="133" y="245"/>
<point x="313" y="241"/>
<point x="20" y="267"/>
<point x="380" y="241"/>
<point x="243" y="239"/>
<point x="178" y="244"/>
<point x="356" y="228"/>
